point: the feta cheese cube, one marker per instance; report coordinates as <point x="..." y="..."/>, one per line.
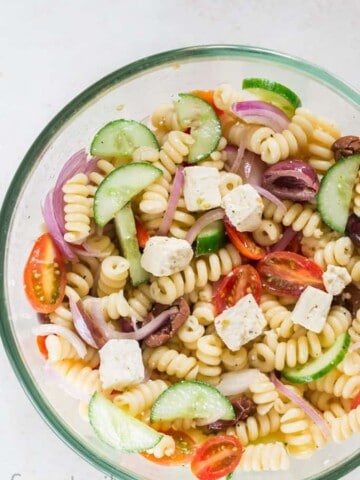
<point x="121" y="364"/>
<point x="243" y="207"/>
<point x="335" y="279"/>
<point x="164" y="256"/>
<point x="311" y="309"/>
<point x="201" y="188"/>
<point x="239" y="324"/>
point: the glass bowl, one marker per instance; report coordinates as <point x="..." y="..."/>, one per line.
<point x="140" y="87"/>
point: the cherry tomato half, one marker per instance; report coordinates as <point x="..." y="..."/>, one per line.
<point x="184" y="450"/>
<point x="45" y="275"/>
<point x="238" y="283"/>
<point x="243" y="242"/>
<point x="356" y="402"/>
<point x="208" y="96"/>
<point x="288" y="274"/>
<point x="217" y="457"/>
<point x="141" y="233"/>
<point x="41" y="343"/>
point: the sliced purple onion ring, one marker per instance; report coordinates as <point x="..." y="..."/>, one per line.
<point x="261" y="113"/>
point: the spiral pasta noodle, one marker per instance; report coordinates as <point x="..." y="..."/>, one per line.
<point x="268" y="233"/>
<point x="164" y="118"/>
<point x="354" y="330"/>
<point x="182" y="220"/>
<point x="141" y="398"/>
<point x="114" y="272"/>
<point x="171" y="362"/>
<point x="234" y="361"/>
<point x="80" y="375"/>
<point x="115" y="305"/>
<point x="264" y="394"/>
<point x="277" y="316"/>
<point x="77" y="209"/>
<point x="59" y="348"/>
<point x="337" y="252"/>
<point x="345" y="426"/>
<point x="298" y="434"/>
<point x="217" y="158"/>
<point x="140" y="300"/>
<point x="78" y="281"/>
<point x="165" y="448"/>
<point x="204" y="312"/>
<point x="228" y="181"/>
<point x="101" y="244"/>
<point x="62" y="316"/>
<point x="255" y="427"/>
<point x="264" y="457"/>
<point x="208" y="352"/>
<point x="190" y="332"/>
<point x="337" y="322"/>
<point x="338" y="384"/>
<point x="225" y="96"/>
<point x="166" y="290"/>
<point x="300" y="217"/>
<point x="103" y="168"/>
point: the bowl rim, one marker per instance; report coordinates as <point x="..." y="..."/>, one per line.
<point x="127" y="72"/>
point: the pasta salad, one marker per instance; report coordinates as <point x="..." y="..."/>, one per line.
<point x="199" y="281"/>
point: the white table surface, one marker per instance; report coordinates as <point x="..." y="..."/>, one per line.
<point x="51" y="50"/>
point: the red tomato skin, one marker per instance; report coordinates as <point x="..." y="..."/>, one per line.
<point x="40" y="340"/>
<point x="45" y="275"/>
<point x="288" y="273"/>
<point x="239" y="282"/>
<point x="208" y="96"/>
<point x="225" y="450"/>
<point x="356" y="402"/>
<point x="184" y="450"/>
<point x="243" y="242"/>
<point x="141" y="233"/>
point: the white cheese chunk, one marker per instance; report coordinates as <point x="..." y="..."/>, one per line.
<point x="335" y="279"/>
<point x="121" y="364"/>
<point x="311" y="309"/>
<point x="201" y="188"/>
<point x="239" y="324"/>
<point x="243" y="207"/>
<point x="164" y="256"/>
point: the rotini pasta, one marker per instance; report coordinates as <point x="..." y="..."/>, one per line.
<point x="171" y="362"/>
<point x="59" y="348"/>
<point x="338" y="384"/>
<point x="83" y="377"/>
<point x="343" y="427"/>
<point x="114" y="271"/>
<point x="264" y="457"/>
<point x="268" y="233"/>
<point x="139" y="399"/>
<point x="225" y="96"/>
<point x="77" y="209"/>
<point x="190" y="332"/>
<point x="228" y="181"/>
<point x="256" y="427"/>
<point x="264" y="394"/>
<point x="208" y="352"/>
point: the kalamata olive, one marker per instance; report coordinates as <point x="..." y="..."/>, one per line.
<point x="353" y="229"/>
<point x="349" y="298"/>
<point x="292" y="180"/>
<point x="244" y="408"/>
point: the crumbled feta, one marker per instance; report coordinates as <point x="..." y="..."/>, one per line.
<point x="335" y="279"/>
<point x="164" y="256"/>
<point x="121" y="364"/>
<point x="243" y="207"/>
<point x="239" y="324"/>
<point x="311" y="309"/>
<point x="201" y="188"/>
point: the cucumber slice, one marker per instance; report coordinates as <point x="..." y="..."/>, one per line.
<point x="273" y="92"/>
<point x="119" y="187"/>
<point x="118" y="429"/>
<point x="335" y="192"/>
<point x="210" y="239"/>
<point x="322" y="365"/>
<point x="126" y="232"/>
<point x="120" y="138"/>
<point x="191" y="399"/>
<point x="194" y="113"/>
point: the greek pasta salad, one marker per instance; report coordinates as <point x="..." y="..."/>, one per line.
<point x="198" y="281"/>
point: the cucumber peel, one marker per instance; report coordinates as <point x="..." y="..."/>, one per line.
<point x="274" y="93"/>
<point x="318" y="367"/>
<point x="120" y="138"/>
<point x="335" y="192"/>
<point x="195" y="113"/>
<point x="191" y="399"/>
<point x="118" y="429"/>
<point x="119" y="187"/>
<point x="126" y="233"/>
<point x="210" y="239"/>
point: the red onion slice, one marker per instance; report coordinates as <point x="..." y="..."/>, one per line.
<point x="238" y="159"/>
<point x="261" y="113"/>
<point x="231" y="152"/>
<point x="308" y="409"/>
<point x="54" y="229"/>
<point x="265" y="193"/>
<point x="284" y="241"/>
<point x="354" y="346"/>
<point x="202" y="222"/>
<point x="87" y="329"/>
<point x="77" y="163"/>
<point x="173" y="201"/>
<point x="71" y="337"/>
